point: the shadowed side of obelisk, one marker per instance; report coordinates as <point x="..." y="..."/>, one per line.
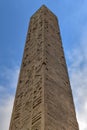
<point x="59" y="106"/>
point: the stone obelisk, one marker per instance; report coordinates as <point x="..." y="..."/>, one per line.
<point x="43" y="99"/>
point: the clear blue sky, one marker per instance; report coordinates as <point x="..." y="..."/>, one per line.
<point x="14" y="20"/>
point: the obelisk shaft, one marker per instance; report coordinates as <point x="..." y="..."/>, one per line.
<point x="43" y="98"/>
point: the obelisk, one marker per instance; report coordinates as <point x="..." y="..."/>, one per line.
<point x="43" y="99"/>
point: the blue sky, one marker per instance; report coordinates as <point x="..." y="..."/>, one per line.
<point x="14" y="20"/>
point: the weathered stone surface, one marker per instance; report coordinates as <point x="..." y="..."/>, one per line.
<point x="43" y="98"/>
